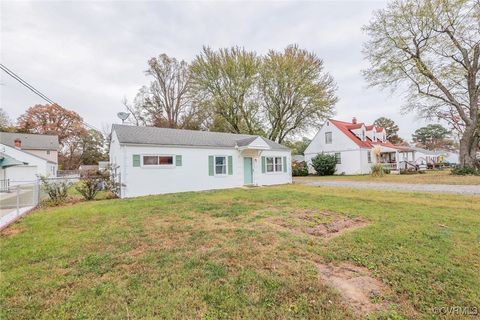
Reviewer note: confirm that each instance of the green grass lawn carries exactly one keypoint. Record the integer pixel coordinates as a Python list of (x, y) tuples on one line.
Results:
[(430, 177), (218, 254)]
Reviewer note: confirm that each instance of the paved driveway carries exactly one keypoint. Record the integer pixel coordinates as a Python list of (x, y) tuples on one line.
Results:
[(406, 187)]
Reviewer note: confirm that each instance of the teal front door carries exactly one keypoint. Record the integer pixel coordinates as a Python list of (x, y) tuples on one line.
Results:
[(247, 171)]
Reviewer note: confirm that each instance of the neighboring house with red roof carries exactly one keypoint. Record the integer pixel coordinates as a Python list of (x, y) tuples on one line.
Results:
[(352, 143)]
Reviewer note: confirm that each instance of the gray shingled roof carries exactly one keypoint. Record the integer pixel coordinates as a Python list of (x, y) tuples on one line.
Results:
[(30, 141), (429, 152), (178, 137)]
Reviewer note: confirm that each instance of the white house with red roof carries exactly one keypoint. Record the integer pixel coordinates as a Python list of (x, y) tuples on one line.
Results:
[(353, 144)]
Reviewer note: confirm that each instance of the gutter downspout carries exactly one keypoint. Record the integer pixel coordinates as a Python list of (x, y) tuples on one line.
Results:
[(123, 172)]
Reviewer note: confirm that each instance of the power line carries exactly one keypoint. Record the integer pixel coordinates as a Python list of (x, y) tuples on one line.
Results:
[(26, 84), (34, 90)]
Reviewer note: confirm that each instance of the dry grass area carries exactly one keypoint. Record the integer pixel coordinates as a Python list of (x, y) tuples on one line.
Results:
[(265, 253), (323, 224), (430, 177)]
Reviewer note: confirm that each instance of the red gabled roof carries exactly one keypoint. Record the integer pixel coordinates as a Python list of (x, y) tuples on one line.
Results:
[(345, 128), (353, 126)]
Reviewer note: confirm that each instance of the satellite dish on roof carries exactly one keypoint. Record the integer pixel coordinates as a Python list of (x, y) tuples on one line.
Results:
[(123, 116)]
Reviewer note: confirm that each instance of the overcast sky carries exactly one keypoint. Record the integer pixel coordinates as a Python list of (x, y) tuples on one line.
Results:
[(87, 56)]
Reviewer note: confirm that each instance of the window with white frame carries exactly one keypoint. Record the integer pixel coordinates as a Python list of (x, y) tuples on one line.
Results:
[(328, 137), (278, 164), (270, 164), (274, 164), (220, 165), (157, 160), (338, 157), (369, 156)]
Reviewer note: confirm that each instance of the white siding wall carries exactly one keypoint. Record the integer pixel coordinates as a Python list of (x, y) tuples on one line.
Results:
[(365, 166), (273, 177), (20, 174), (452, 157), (52, 155), (380, 135), (192, 175), (354, 159)]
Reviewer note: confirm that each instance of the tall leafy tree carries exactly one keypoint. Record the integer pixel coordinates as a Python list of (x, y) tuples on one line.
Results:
[(432, 137), (299, 146), (52, 119), (56, 120), (224, 82), (296, 92), (92, 148), (390, 127), (432, 48), (88, 149)]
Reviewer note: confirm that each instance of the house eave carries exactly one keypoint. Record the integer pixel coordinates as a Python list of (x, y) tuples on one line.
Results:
[(192, 146), (255, 148)]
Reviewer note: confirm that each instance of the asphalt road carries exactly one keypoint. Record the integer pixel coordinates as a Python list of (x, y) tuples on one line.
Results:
[(404, 187)]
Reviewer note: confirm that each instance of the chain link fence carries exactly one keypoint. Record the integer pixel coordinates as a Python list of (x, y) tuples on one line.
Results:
[(17, 200), (19, 197)]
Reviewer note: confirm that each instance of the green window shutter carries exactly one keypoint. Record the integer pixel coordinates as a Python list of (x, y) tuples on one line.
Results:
[(210, 165), (178, 160), (285, 168), (263, 165), (230, 165), (136, 160)]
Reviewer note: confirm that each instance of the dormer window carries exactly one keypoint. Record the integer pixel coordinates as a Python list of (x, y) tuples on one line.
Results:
[(363, 135)]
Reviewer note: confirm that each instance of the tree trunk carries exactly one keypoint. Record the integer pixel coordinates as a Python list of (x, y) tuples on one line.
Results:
[(469, 147)]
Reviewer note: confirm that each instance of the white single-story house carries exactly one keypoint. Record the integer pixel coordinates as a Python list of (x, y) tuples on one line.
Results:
[(353, 145), (26, 157), (450, 157), (151, 160), (435, 157)]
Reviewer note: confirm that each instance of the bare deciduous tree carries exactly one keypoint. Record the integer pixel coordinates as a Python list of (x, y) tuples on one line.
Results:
[(166, 101), (432, 47)]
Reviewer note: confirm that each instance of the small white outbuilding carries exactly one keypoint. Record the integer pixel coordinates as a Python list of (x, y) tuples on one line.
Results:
[(151, 160)]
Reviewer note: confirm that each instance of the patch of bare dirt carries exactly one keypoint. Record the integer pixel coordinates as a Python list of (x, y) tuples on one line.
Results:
[(11, 231), (322, 224), (336, 228), (358, 289), (308, 214)]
